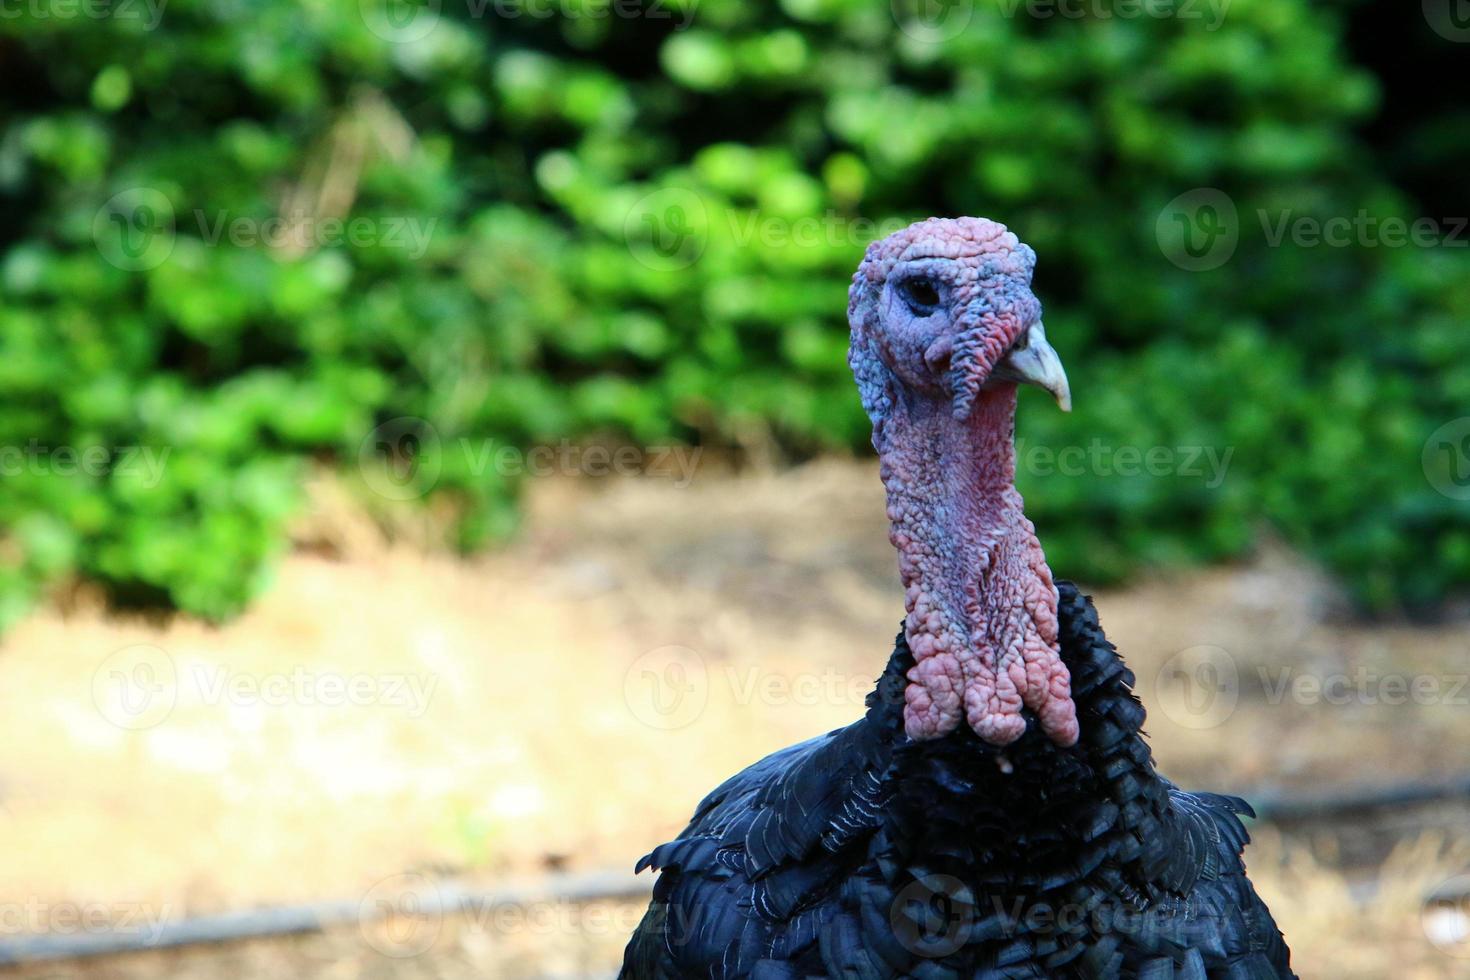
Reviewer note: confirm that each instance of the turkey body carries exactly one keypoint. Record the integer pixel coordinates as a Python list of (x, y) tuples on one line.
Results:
[(864, 854)]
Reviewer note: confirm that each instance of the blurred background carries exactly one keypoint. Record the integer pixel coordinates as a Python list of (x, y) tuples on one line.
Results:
[(429, 463)]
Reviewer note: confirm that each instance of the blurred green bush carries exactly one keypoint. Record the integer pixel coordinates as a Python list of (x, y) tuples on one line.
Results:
[(589, 218)]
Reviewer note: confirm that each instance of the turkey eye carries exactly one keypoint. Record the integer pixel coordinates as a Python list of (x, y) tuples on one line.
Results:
[(922, 295)]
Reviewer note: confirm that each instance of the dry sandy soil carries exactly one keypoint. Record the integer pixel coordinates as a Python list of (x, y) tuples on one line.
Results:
[(562, 704)]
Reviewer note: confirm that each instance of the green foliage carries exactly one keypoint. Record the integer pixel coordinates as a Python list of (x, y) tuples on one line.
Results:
[(592, 224)]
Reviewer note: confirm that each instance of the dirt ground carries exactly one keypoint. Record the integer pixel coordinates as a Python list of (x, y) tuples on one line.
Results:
[(562, 704)]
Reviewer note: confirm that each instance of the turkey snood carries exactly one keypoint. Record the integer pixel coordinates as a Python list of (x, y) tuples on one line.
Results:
[(944, 326)]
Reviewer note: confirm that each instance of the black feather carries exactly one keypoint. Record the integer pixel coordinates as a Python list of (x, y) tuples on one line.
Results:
[(862, 854)]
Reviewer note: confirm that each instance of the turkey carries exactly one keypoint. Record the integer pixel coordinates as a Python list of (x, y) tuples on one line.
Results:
[(996, 811)]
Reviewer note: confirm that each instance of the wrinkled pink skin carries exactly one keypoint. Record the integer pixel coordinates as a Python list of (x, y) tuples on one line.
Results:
[(982, 607)]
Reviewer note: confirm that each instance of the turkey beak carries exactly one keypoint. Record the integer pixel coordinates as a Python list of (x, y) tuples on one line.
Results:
[(1033, 361)]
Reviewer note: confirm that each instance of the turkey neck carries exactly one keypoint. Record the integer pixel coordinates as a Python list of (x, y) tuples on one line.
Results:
[(980, 601)]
